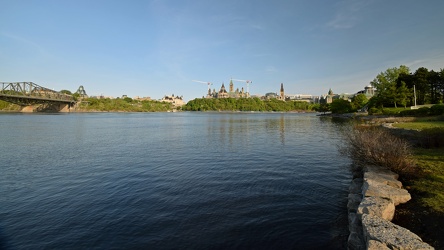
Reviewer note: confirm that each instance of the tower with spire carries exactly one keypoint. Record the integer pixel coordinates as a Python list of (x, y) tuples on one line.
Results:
[(282, 92), (222, 92)]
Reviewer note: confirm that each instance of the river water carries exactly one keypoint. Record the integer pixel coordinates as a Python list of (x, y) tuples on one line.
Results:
[(172, 181)]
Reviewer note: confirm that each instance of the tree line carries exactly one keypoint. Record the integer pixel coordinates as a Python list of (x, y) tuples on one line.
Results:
[(398, 86), (395, 87), (126, 104), (245, 104)]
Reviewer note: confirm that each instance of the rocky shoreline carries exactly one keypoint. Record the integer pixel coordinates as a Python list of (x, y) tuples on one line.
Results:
[(374, 193)]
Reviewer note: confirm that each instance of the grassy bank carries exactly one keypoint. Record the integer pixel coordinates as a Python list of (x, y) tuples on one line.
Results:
[(420, 166), (431, 183), (424, 214), (421, 123), (6, 106)]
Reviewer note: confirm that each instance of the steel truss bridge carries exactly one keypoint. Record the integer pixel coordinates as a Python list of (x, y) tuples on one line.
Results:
[(29, 93)]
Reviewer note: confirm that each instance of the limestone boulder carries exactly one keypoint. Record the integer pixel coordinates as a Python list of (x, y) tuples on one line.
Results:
[(378, 189), (386, 179), (353, 202), (376, 245), (356, 242), (377, 206), (356, 186), (354, 223), (391, 235), (381, 171)]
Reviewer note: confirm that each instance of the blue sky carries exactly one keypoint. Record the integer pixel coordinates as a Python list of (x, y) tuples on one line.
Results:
[(154, 48)]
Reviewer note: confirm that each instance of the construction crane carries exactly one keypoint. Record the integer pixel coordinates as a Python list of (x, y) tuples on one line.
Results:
[(208, 83), (245, 81)]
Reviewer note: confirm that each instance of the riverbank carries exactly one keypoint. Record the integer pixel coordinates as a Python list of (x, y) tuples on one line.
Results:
[(423, 215), (374, 193)]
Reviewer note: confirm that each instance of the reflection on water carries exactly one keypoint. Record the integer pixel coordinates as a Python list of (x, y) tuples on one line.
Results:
[(167, 181), (244, 126)]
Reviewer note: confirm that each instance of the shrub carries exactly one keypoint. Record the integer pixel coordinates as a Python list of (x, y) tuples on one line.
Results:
[(374, 111), (437, 109), (376, 146), (409, 112), (390, 112), (423, 111), (416, 112), (341, 106), (431, 138)]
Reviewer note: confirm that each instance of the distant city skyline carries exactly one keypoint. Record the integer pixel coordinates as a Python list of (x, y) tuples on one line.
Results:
[(157, 48)]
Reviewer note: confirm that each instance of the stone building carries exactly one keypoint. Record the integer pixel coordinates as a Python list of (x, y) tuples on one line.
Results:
[(369, 91), (223, 93), (280, 96), (175, 100)]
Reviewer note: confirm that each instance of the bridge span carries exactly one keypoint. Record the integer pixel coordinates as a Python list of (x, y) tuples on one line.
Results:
[(29, 94)]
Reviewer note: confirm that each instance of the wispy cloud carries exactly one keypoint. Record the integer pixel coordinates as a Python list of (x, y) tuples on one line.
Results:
[(26, 42), (347, 15), (414, 63), (431, 63)]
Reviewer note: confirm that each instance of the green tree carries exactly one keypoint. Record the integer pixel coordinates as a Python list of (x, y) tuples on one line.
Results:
[(433, 80), (359, 101), (341, 106), (421, 84), (67, 92), (128, 99), (76, 96), (386, 84), (402, 94), (323, 107), (244, 104), (440, 87)]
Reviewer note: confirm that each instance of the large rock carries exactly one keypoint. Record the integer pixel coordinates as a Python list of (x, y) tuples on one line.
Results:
[(378, 189), (381, 171), (377, 206), (383, 178), (354, 223), (369, 223), (356, 242), (391, 235), (376, 245), (353, 202), (356, 186)]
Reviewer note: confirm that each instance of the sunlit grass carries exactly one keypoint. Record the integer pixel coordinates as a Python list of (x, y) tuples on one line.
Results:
[(420, 125), (396, 110), (431, 183)]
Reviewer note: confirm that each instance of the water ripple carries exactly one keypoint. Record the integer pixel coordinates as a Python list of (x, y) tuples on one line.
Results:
[(168, 181)]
